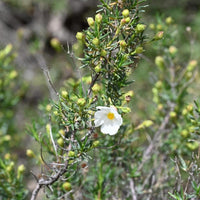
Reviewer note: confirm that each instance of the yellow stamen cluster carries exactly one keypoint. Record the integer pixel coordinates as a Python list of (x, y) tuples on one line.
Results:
[(110, 116)]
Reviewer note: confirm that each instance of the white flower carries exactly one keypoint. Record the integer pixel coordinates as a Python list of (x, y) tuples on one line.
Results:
[(108, 118)]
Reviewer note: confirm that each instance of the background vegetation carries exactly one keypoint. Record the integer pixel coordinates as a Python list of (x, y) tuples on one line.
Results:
[(35, 39)]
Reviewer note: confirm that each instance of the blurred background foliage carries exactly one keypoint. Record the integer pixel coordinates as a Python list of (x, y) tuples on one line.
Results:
[(40, 32)]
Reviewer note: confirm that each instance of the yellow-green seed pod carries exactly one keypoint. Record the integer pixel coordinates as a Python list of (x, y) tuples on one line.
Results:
[(125, 13)]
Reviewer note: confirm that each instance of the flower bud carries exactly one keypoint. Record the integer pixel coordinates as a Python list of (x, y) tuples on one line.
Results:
[(192, 145), (55, 43), (48, 127), (140, 28), (96, 143), (122, 43), (60, 141), (7, 138), (98, 18), (95, 41), (159, 35), (48, 107), (130, 93), (96, 88), (159, 84), (192, 64), (20, 170), (189, 108), (125, 13), (55, 113), (97, 68), (184, 133), (147, 123), (30, 153), (159, 61), (67, 186), (13, 74), (169, 20), (139, 50), (71, 154), (127, 19), (7, 156), (123, 21), (172, 114), (160, 107), (64, 94), (103, 52), (10, 167), (90, 21), (172, 50), (61, 132), (184, 112), (81, 102), (125, 109), (159, 27), (188, 75), (79, 36), (152, 26), (8, 49)]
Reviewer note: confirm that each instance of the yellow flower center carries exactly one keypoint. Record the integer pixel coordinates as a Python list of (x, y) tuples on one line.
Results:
[(110, 116)]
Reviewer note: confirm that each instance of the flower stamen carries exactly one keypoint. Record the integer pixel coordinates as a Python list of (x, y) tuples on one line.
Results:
[(110, 116)]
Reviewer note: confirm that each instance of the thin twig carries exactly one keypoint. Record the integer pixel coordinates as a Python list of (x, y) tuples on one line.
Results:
[(133, 192)]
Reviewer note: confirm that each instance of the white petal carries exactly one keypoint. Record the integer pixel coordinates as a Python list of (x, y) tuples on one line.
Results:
[(98, 122), (109, 129)]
